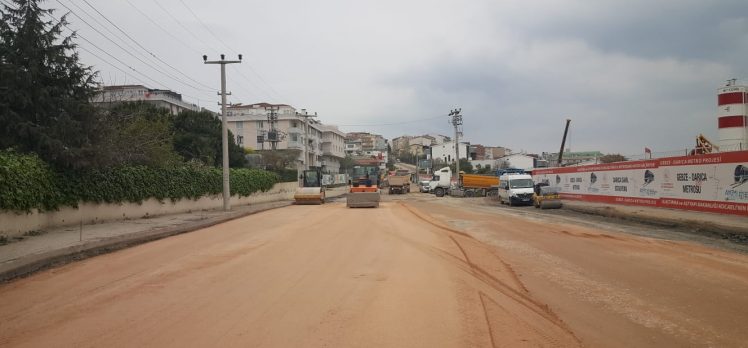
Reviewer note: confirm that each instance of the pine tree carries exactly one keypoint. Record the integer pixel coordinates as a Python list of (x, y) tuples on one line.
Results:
[(197, 136), (44, 90)]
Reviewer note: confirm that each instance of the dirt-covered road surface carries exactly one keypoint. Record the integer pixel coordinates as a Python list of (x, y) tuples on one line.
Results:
[(416, 272)]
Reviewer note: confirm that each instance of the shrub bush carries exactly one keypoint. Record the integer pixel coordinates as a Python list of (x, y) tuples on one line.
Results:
[(26, 182), (286, 175)]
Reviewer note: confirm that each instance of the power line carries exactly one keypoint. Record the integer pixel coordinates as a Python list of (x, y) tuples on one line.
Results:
[(186, 29), (390, 124), (207, 28), (168, 13), (75, 34), (261, 91), (144, 14), (125, 72), (127, 51), (178, 39), (230, 49), (145, 49)]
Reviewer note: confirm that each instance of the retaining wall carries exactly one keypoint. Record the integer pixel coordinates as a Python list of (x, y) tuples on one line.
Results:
[(713, 183), (14, 223)]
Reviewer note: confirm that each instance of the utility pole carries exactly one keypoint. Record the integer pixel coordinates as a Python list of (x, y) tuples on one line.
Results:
[(457, 122), (224, 127), (273, 135), (305, 142)]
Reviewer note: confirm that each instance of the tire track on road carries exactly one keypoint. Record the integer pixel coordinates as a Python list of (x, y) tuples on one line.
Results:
[(520, 297)]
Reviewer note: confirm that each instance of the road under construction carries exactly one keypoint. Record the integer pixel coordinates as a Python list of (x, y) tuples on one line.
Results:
[(416, 272)]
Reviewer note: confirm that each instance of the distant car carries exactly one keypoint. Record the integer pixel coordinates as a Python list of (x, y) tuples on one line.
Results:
[(424, 186)]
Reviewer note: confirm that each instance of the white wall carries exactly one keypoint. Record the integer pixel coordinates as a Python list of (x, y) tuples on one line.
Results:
[(17, 223), (518, 161), (484, 163), (446, 151)]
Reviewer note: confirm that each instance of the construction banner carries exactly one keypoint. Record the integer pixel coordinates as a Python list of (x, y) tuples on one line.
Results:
[(713, 183)]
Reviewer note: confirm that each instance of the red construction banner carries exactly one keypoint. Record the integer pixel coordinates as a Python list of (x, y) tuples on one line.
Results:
[(713, 182)]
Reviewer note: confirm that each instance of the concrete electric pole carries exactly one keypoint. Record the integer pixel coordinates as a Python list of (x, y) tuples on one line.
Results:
[(273, 135), (224, 127), (457, 122), (305, 140)]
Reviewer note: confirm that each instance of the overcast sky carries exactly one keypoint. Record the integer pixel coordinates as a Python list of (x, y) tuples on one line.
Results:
[(629, 74)]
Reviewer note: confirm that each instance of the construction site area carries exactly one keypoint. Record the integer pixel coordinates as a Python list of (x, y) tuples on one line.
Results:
[(418, 271), (593, 193)]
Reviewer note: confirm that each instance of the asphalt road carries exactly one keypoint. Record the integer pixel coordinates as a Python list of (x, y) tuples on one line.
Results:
[(415, 272)]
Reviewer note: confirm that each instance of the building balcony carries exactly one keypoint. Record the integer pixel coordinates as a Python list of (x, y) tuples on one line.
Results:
[(295, 145)]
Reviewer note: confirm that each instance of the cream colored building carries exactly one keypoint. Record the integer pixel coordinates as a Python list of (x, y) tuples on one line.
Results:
[(320, 145), (111, 95)]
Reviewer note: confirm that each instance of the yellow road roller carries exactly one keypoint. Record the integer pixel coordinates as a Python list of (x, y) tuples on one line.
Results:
[(364, 191), (311, 190), (546, 197)]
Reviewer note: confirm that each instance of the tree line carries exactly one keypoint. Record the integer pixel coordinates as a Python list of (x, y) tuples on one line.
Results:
[(46, 108)]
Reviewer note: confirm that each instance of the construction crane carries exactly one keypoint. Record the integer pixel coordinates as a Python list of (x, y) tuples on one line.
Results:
[(704, 146), (563, 142)]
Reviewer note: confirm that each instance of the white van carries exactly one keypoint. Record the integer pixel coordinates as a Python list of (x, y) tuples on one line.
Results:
[(515, 189)]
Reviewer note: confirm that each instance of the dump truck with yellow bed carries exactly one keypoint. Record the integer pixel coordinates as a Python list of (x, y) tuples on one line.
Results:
[(475, 185), (399, 183)]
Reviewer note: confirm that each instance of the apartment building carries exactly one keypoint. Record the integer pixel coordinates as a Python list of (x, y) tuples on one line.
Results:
[(369, 141), (111, 95), (319, 145)]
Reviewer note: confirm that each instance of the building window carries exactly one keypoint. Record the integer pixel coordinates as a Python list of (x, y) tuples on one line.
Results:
[(239, 124), (294, 137), (240, 140), (261, 124), (294, 124)]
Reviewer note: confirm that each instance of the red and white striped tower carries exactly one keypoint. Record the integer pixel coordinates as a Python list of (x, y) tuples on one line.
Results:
[(732, 117)]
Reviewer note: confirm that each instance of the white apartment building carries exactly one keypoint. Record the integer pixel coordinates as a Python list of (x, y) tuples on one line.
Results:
[(416, 144), (438, 138), (446, 151), (110, 95), (322, 146), (333, 148), (353, 147)]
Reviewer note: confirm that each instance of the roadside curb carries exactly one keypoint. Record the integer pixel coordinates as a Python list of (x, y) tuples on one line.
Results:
[(733, 233), (30, 264)]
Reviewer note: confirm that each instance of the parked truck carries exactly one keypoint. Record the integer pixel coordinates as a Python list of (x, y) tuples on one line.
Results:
[(468, 185), (441, 181), (399, 183), (476, 185)]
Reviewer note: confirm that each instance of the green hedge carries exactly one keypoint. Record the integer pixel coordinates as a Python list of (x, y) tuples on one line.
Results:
[(286, 175), (26, 182)]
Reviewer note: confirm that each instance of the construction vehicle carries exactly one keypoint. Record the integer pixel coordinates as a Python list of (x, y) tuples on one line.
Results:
[(546, 197), (364, 189), (311, 190), (399, 183), (563, 143), (441, 181), (475, 185), (704, 146), (468, 185)]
